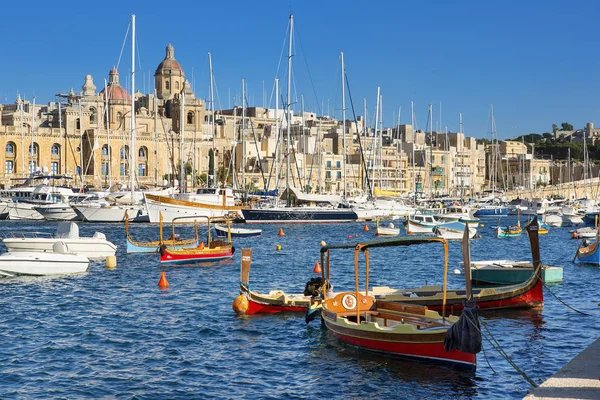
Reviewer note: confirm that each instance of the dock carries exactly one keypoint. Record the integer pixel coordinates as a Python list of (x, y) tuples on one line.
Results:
[(579, 379)]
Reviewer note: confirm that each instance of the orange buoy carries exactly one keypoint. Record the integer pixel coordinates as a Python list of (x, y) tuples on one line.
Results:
[(240, 304), (409, 232), (317, 269), (163, 283), (574, 235), (366, 228), (350, 236), (281, 232)]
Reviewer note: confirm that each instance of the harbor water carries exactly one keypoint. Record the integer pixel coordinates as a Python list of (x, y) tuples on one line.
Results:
[(116, 334)]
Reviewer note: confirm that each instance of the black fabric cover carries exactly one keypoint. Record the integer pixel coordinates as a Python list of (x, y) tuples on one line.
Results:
[(465, 334)]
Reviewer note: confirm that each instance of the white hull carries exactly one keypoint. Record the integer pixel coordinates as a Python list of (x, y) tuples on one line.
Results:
[(108, 213), (453, 234), (384, 231), (415, 228), (555, 221), (23, 211), (57, 212), (170, 211), (37, 264), (88, 247)]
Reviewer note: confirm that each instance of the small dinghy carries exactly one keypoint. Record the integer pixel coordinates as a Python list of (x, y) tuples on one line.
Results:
[(389, 230), (222, 230), (59, 261)]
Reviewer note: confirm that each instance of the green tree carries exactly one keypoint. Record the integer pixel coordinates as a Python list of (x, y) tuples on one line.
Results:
[(565, 126), (554, 128)]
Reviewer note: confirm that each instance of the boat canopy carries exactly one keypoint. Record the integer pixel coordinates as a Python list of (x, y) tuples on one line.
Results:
[(297, 197), (398, 241)]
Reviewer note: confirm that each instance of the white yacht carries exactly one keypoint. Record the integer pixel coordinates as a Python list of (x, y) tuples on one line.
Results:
[(57, 262)]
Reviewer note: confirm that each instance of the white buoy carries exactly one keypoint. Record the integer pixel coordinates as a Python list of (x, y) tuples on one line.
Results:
[(457, 271)]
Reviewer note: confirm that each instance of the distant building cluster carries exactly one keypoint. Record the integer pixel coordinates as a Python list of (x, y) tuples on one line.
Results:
[(87, 135)]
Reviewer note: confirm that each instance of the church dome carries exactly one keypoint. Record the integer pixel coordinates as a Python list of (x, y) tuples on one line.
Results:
[(169, 63), (115, 90)]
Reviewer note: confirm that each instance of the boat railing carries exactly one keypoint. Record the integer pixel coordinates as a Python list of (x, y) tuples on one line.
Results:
[(21, 235)]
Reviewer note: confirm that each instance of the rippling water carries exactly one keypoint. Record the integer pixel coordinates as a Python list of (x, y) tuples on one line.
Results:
[(115, 334)]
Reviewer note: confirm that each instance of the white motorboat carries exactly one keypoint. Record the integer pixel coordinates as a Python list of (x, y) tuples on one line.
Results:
[(67, 232), (389, 230), (453, 231), (555, 220), (107, 212), (585, 233), (421, 223), (57, 212), (59, 261)]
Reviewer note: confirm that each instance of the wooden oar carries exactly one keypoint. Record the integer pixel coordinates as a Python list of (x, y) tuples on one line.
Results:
[(577, 251)]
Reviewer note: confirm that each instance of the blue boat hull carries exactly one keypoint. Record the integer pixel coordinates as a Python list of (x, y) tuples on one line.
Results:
[(482, 212), (589, 257)]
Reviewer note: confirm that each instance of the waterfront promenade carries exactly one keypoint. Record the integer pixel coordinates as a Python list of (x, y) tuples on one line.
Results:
[(579, 379)]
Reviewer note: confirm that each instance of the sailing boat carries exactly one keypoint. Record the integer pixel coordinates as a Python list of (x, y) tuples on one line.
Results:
[(296, 214), (114, 210)]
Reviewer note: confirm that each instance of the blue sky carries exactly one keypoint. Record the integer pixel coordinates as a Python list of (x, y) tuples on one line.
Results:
[(537, 62)]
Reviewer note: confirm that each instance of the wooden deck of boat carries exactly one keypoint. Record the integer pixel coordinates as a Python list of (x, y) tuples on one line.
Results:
[(579, 379)]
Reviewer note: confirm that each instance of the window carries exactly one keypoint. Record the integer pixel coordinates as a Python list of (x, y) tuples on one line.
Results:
[(176, 85), (338, 164), (105, 150), (10, 148), (119, 116), (142, 169), (92, 115), (142, 153), (54, 150), (32, 167), (167, 85), (124, 152), (190, 118), (32, 149), (339, 174), (78, 170), (104, 169), (329, 164), (54, 166), (123, 169), (10, 166), (77, 124), (328, 174)]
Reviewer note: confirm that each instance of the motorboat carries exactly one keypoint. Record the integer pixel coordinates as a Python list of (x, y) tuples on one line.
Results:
[(223, 231), (389, 230), (56, 262), (510, 272), (453, 231), (67, 232)]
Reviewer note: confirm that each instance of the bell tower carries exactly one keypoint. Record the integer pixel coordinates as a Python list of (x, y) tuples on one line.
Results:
[(169, 76)]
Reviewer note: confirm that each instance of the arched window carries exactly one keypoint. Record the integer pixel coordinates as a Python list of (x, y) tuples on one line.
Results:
[(93, 115), (142, 153), (33, 149), (167, 86), (119, 116), (190, 118), (124, 152), (10, 148), (55, 150), (177, 85), (105, 150), (77, 124)]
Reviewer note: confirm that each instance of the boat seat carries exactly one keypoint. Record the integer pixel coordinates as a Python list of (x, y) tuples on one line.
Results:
[(67, 230), (217, 243)]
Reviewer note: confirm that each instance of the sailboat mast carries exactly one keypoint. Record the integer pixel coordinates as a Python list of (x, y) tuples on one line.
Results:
[(132, 151), (243, 136), (288, 111), (399, 168), (343, 131), (304, 152), (363, 183), (23, 141), (430, 150), (32, 149), (380, 148), (461, 160), (412, 148), (374, 141), (155, 139), (276, 137), (212, 118), (60, 138)]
